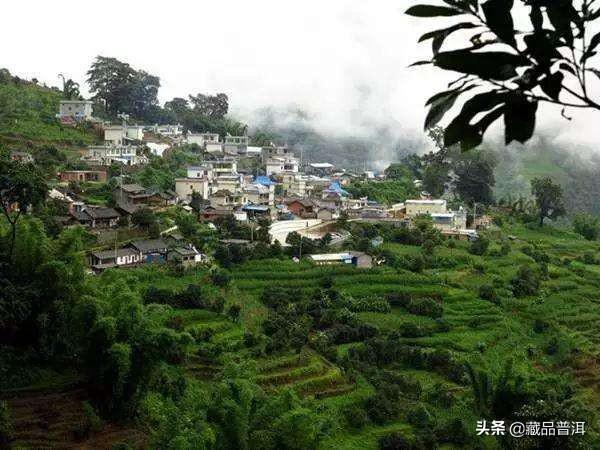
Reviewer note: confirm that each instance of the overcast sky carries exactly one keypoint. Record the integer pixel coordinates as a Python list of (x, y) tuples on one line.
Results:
[(345, 61)]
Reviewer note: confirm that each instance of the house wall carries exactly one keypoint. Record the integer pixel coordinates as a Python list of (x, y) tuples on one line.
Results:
[(185, 186), (81, 109), (114, 135), (415, 209)]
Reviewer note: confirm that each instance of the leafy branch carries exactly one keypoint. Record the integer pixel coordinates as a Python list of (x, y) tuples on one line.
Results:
[(507, 72)]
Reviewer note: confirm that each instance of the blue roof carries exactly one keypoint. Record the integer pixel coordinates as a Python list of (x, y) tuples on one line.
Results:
[(264, 180), (336, 187), (261, 208)]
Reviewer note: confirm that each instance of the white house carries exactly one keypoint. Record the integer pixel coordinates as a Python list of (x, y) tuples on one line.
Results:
[(107, 154), (205, 171), (417, 207), (114, 134), (213, 147), (225, 167), (135, 132), (277, 165), (75, 109), (184, 187)]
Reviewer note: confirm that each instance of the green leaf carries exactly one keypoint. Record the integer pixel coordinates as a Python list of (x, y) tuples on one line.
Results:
[(519, 119), (589, 52), (561, 13), (420, 63), (595, 72), (460, 128), (440, 35), (552, 85), (566, 67), (536, 17), (432, 11), (542, 47), (486, 65), (441, 104), (499, 19)]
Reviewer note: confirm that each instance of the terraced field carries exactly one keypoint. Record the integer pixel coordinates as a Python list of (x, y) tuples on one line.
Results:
[(470, 329)]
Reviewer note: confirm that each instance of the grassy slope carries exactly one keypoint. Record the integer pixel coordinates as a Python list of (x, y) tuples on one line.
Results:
[(28, 120)]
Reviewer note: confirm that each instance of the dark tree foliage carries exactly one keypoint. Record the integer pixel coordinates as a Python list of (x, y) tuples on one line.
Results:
[(506, 72), (548, 198), (587, 225), (475, 178), (121, 89), (21, 186)]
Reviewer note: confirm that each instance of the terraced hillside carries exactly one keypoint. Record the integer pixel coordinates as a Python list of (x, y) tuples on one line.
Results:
[(419, 331)]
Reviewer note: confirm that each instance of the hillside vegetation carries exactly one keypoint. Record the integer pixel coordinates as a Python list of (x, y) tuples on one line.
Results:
[(28, 117)]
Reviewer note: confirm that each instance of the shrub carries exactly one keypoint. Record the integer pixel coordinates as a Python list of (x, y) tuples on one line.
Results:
[(395, 441), (234, 312), (220, 278), (356, 416), (488, 292), (479, 246), (588, 226), (589, 258), (412, 330), (419, 417), (526, 282), (539, 325), (505, 248), (425, 307)]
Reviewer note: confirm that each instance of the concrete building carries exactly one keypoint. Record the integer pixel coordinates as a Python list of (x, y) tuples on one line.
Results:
[(201, 139), (358, 259), (259, 194), (105, 155), (204, 171), (417, 207), (77, 110), (275, 151), (83, 175), (184, 187), (115, 134), (135, 132), (226, 166), (279, 164), (213, 148)]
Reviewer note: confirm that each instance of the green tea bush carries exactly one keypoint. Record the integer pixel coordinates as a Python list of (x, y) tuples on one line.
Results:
[(425, 307), (526, 282)]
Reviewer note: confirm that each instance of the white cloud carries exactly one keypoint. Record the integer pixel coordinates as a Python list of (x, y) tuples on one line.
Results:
[(345, 61)]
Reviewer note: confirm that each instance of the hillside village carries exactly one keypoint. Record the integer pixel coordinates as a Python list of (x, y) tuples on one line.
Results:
[(192, 282), (231, 179)]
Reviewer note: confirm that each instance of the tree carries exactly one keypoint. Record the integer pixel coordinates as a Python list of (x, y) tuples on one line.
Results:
[(122, 89), (398, 171), (211, 106), (110, 80), (587, 225), (475, 178), (548, 198), (144, 217), (70, 88), (509, 71), (21, 186)]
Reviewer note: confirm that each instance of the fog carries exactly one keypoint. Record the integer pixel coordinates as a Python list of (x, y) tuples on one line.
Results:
[(342, 62)]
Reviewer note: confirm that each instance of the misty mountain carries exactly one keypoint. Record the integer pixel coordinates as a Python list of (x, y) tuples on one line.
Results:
[(373, 146)]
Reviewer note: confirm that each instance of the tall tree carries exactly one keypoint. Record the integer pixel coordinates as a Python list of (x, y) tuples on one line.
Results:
[(21, 187), (110, 81), (211, 106), (474, 178), (509, 70), (70, 88), (548, 198)]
